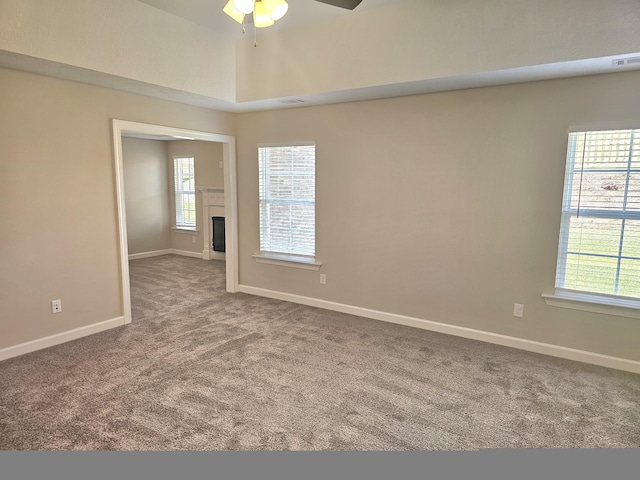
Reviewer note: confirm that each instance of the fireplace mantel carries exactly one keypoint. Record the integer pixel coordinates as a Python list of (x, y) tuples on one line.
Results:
[(212, 206)]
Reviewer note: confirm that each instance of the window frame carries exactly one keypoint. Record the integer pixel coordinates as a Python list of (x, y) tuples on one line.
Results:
[(612, 304), (287, 259), (178, 193)]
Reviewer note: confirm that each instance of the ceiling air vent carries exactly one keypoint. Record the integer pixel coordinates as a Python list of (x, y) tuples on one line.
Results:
[(626, 61)]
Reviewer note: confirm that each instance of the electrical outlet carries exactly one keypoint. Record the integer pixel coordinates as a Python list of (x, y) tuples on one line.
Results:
[(323, 279), (220, 164), (193, 239), (518, 310), (56, 306)]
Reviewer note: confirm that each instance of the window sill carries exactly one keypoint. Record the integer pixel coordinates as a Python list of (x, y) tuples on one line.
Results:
[(188, 231), (292, 261), (620, 307)]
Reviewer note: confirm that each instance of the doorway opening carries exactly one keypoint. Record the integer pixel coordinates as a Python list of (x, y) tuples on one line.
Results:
[(126, 128)]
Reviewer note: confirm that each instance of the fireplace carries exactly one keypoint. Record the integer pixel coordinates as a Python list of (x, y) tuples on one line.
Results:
[(213, 207), (218, 234)]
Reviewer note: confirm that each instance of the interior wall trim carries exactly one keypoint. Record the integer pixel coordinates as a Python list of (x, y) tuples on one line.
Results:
[(470, 333), (186, 253), (58, 338), (124, 127), (168, 251), (154, 253)]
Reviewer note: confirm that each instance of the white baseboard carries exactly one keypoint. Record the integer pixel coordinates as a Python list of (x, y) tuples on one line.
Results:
[(59, 338), (186, 253), (168, 251), (489, 337), (155, 253), (217, 256)]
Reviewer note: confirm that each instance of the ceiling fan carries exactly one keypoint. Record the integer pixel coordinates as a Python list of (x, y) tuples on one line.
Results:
[(264, 13), (348, 4)]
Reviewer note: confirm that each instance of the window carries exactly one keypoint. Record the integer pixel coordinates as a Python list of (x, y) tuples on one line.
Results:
[(287, 201), (599, 248), (185, 192)]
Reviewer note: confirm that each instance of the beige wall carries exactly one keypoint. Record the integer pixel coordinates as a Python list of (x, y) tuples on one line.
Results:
[(58, 210), (146, 183), (444, 207), (207, 157), (467, 186), (150, 201)]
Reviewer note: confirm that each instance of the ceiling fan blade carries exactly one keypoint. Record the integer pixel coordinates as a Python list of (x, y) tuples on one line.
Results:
[(348, 4)]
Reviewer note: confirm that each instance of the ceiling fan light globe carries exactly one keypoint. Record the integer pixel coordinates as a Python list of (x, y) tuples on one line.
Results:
[(244, 6), (233, 12), (276, 8), (279, 9), (261, 17)]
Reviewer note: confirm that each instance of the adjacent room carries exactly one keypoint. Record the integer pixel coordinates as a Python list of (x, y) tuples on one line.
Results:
[(378, 225)]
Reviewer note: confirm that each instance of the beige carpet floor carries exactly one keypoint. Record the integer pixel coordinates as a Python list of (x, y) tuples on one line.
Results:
[(201, 369)]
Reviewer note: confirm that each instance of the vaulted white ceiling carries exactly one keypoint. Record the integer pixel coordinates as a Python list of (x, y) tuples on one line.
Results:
[(191, 52)]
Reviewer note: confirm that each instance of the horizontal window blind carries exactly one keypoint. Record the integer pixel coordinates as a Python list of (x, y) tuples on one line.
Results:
[(599, 248), (185, 192), (287, 194)]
